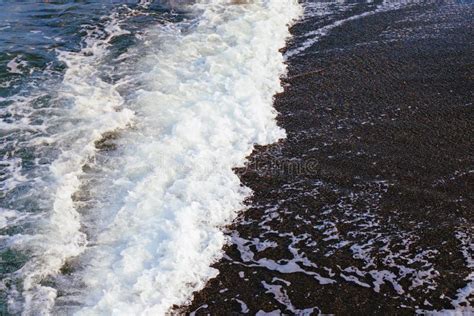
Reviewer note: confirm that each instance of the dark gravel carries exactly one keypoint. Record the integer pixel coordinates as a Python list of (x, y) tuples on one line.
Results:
[(379, 117)]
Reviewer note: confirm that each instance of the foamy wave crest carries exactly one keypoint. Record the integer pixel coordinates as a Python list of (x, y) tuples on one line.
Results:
[(207, 88), (135, 230)]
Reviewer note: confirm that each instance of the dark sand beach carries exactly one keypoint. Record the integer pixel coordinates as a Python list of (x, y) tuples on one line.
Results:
[(367, 206)]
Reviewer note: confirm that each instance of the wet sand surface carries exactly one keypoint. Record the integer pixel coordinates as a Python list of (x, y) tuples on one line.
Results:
[(367, 206)]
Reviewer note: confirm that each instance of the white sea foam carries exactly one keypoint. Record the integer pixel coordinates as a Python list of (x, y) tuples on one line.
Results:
[(206, 99), (464, 295), (16, 65), (90, 107), (153, 229)]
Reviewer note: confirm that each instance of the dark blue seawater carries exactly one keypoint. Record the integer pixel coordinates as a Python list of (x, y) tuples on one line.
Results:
[(32, 31)]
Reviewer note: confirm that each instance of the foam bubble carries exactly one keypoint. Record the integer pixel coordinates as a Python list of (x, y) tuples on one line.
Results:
[(16, 65)]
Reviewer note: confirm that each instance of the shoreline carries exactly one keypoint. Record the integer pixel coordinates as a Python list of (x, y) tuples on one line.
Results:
[(364, 205)]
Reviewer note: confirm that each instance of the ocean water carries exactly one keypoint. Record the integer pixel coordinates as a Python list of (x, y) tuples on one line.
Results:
[(121, 123)]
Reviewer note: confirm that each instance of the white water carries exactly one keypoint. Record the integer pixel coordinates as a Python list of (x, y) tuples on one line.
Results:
[(153, 228), (93, 107)]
